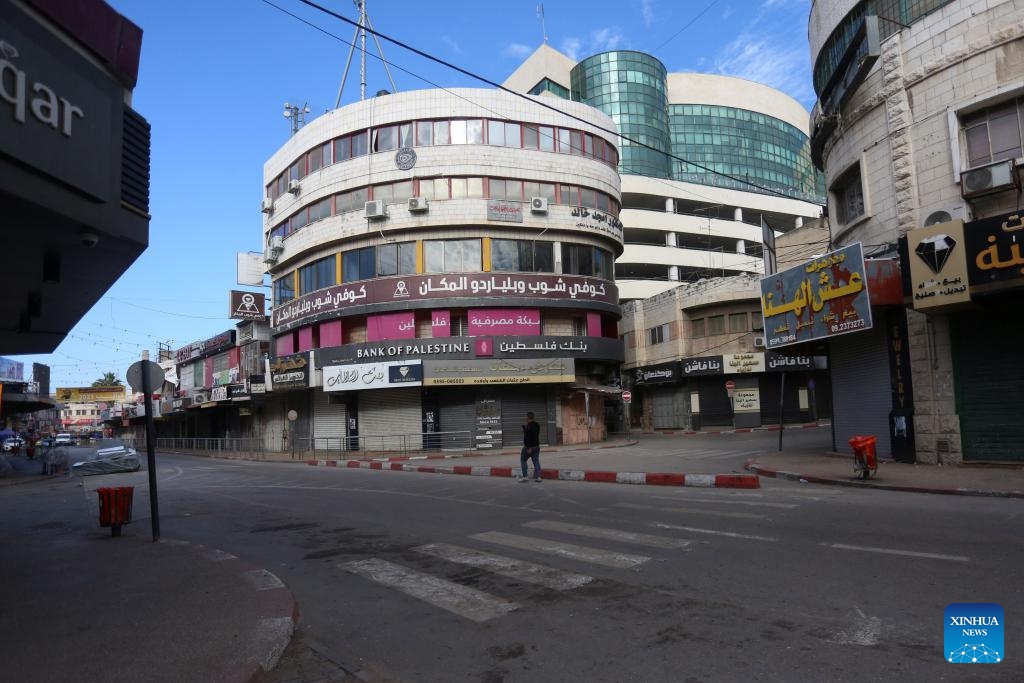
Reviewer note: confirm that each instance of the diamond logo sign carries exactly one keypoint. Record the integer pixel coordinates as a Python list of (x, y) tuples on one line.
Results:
[(935, 251)]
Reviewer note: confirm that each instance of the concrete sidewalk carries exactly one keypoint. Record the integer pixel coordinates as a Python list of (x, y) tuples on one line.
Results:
[(80, 605)]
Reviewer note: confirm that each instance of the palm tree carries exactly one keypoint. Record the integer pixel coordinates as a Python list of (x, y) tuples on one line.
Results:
[(108, 379)]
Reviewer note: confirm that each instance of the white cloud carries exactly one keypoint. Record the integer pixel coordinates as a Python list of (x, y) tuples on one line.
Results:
[(518, 50), (450, 42), (605, 39), (781, 64), (600, 40), (647, 12), (571, 47)]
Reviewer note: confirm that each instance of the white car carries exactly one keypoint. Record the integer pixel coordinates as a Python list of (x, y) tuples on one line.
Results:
[(64, 439)]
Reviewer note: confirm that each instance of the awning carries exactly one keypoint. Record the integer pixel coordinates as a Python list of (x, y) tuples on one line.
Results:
[(597, 389)]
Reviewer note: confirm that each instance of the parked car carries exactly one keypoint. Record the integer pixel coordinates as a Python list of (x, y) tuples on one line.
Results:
[(48, 441), (14, 443), (64, 439), (109, 457)]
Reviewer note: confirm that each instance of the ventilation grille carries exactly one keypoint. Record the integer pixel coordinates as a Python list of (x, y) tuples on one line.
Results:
[(135, 149)]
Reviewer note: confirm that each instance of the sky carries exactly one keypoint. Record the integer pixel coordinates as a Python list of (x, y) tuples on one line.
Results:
[(215, 75)]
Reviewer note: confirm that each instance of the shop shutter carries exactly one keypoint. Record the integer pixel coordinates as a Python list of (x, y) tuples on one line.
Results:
[(715, 406), (515, 403), (989, 377), (769, 385), (458, 418), (391, 420), (861, 388), (329, 422), (274, 423), (669, 407)]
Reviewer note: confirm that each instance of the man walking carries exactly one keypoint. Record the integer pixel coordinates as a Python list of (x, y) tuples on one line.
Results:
[(531, 448)]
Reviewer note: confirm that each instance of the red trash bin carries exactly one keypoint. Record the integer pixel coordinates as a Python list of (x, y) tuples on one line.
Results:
[(865, 461), (115, 507)]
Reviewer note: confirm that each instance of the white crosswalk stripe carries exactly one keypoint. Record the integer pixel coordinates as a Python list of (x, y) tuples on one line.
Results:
[(690, 510), (715, 454), (540, 575), (461, 600), (606, 558), (611, 534)]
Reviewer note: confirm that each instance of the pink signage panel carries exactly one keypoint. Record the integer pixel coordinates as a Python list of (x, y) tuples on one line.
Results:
[(504, 321), (593, 324), (391, 326), (284, 345), (440, 323), (305, 338), (330, 334)]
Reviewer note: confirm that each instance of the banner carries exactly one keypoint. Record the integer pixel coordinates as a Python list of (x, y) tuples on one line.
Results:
[(90, 394)]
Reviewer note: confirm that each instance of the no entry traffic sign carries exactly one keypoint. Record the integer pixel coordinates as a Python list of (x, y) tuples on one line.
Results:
[(627, 396)]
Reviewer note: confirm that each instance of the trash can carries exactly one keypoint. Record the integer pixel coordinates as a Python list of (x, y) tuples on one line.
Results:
[(865, 460), (115, 507)]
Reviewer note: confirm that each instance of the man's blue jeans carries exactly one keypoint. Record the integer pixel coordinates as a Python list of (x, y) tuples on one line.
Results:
[(530, 453)]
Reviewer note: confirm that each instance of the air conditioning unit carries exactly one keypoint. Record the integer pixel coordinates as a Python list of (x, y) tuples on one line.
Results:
[(376, 209), (270, 256), (200, 397), (758, 342), (294, 187), (267, 205), (988, 179), (274, 248), (539, 204), (276, 243), (418, 204)]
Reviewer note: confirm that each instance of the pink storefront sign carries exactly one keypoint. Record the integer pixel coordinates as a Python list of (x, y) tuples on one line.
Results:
[(504, 321), (391, 326), (440, 323)]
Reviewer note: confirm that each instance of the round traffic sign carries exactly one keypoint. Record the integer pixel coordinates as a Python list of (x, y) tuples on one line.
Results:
[(627, 396), (154, 375), (730, 385)]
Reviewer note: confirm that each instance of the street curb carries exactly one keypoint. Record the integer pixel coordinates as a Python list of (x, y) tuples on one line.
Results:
[(740, 430), (869, 484), (343, 462), (278, 616), (741, 481)]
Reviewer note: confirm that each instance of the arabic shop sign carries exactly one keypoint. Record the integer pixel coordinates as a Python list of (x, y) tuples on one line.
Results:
[(289, 372), (247, 305), (705, 365), (776, 362), (373, 375), (205, 348), (995, 254), (510, 321), (825, 297), (596, 220), (504, 211), (739, 363), (411, 288), (937, 256), (462, 348), (746, 400), (662, 373), (498, 371)]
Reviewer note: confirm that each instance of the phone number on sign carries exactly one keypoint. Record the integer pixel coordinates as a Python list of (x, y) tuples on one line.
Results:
[(847, 326)]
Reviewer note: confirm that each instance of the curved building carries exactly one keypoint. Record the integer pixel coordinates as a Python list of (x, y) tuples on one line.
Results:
[(737, 152), (918, 128), (442, 262)]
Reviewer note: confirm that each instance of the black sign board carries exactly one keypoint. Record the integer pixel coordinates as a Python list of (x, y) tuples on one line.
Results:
[(704, 365), (995, 254), (662, 373)]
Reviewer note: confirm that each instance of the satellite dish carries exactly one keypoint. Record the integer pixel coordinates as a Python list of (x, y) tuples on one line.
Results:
[(937, 217)]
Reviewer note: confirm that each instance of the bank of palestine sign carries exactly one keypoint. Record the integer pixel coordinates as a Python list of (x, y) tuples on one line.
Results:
[(825, 297)]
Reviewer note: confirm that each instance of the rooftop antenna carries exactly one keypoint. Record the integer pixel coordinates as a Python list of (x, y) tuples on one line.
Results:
[(296, 114), (360, 35), (543, 29)]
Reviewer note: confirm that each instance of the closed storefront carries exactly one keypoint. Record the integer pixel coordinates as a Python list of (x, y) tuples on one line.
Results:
[(669, 407), (275, 423), (989, 376), (457, 409), (329, 421), (390, 419), (515, 403), (861, 388), (715, 405), (771, 391)]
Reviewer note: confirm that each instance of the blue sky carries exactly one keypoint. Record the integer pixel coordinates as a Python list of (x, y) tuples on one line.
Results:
[(215, 75)]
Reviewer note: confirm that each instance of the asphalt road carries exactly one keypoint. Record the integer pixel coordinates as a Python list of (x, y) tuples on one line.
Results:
[(602, 582)]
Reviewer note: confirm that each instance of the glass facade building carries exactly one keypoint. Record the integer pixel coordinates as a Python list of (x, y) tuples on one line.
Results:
[(631, 87)]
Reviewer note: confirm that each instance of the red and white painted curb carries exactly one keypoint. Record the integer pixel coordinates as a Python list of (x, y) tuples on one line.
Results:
[(736, 481)]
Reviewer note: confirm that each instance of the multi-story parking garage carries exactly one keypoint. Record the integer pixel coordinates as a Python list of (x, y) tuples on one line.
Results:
[(442, 262)]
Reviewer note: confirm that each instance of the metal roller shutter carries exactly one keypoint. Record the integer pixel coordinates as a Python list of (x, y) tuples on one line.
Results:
[(770, 384), (669, 407), (515, 403), (458, 418), (274, 423), (715, 406), (329, 422), (862, 396), (391, 420), (989, 376)]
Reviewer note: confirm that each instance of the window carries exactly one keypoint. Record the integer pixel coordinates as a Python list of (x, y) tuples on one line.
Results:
[(994, 134), (396, 259), (452, 256), (458, 325), (578, 326), (385, 138), (522, 255), (697, 328), (580, 259), (737, 322), (756, 321), (849, 196), (358, 264), (496, 133), (716, 325), (220, 362), (657, 335), (316, 275), (424, 133), (442, 134)]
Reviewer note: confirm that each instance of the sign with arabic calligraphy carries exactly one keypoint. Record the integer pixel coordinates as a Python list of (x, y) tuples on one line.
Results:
[(776, 362), (391, 326), (373, 375), (289, 372), (498, 371), (746, 400), (995, 254), (825, 297), (597, 220), (736, 363), (90, 394), (661, 373), (599, 295), (937, 262), (487, 321), (705, 365), (498, 210), (453, 348)]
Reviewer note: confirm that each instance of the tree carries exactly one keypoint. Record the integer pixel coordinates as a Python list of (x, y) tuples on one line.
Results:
[(108, 379)]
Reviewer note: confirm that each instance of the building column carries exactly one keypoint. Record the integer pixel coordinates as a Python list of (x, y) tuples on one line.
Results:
[(670, 205), (670, 239), (737, 214), (673, 273)]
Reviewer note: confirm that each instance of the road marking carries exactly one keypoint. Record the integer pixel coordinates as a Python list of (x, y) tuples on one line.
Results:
[(752, 503), (611, 534), (568, 550), (549, 577), (262, 580), (695, 511), (730, 534), (458, 599), (893, 551)]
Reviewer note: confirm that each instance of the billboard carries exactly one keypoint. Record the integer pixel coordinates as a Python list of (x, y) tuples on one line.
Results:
[(824, 297), (90, 394), (12, 370)]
